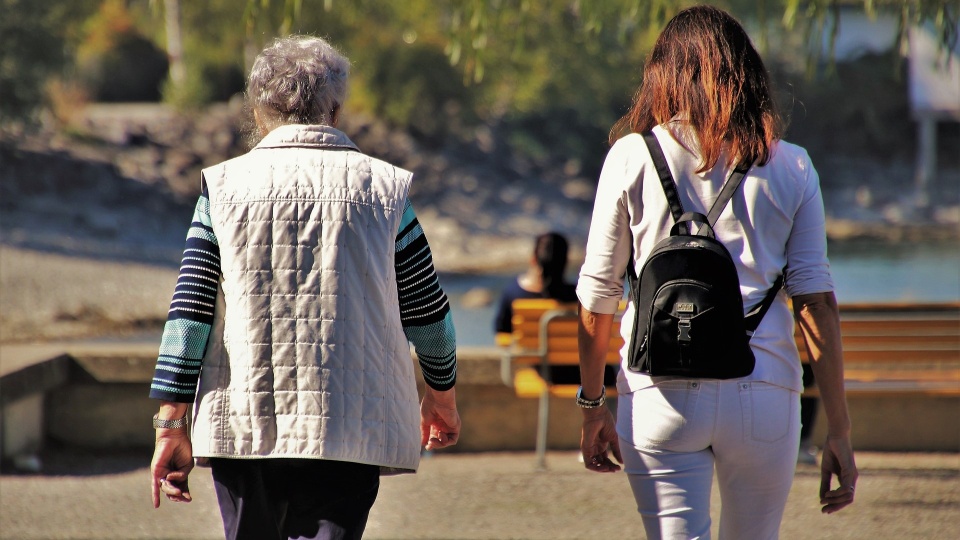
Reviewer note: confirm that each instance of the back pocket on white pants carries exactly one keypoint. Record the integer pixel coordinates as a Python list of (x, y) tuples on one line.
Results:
[(767, 410), (658, 415)]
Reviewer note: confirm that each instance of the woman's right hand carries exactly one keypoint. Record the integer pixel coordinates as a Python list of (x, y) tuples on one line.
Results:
[(171, 465), (599, 436)]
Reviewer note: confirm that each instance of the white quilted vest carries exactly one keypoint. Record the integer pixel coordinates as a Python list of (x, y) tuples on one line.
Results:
[(307, 357)]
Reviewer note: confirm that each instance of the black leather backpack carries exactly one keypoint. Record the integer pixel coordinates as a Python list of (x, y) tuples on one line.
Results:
[(689, 320)]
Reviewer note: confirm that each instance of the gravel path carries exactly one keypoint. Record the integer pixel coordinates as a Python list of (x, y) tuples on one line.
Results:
[(474, 496)]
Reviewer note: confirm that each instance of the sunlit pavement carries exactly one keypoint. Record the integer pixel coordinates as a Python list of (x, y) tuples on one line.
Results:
[(475, 496)]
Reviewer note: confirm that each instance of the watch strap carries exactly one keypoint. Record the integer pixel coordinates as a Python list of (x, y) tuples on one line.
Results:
[(591, 403), (159, 423)]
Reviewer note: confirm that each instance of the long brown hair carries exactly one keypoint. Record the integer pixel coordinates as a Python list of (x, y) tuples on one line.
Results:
[(704, 68)]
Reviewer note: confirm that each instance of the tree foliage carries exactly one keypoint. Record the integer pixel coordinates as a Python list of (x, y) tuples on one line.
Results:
[(34, 35), (115, 61), (550, 76)]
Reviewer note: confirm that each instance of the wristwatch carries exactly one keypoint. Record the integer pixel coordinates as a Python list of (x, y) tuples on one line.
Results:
[(591, 403), (169, 424)]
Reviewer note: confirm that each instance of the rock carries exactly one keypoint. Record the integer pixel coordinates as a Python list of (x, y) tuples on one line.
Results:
[(27, 463), (894, 213), (947, 215), (579, 188), (177, 161), (476, 298)]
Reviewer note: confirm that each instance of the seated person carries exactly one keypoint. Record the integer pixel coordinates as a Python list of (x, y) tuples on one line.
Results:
[(543, 279)]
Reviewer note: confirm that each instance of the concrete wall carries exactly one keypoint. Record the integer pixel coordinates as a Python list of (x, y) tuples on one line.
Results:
[(92, 412), (900, 422), (103, 405)]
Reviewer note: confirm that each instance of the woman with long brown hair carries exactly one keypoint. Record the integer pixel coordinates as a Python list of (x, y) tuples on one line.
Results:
[(543, 279), (706, 99)]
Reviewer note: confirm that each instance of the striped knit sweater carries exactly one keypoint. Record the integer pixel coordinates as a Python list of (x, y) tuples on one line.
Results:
[(424, 309)]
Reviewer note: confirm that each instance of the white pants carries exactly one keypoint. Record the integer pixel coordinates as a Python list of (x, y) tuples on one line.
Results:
[(673, 434)]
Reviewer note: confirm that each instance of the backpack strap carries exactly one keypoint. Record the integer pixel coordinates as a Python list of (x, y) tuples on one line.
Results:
[(729, 188), (663, 171), (670, 185), (669, 190), (752, 320)]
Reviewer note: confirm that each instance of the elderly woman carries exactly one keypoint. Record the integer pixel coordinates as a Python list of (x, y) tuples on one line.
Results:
[(706, 98), (304, 276)]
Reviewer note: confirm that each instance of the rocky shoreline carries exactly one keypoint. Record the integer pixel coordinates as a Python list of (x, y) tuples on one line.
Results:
[(92, 218), (124, 178)]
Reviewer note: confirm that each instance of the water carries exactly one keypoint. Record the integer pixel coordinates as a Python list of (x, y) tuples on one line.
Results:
[(876, 272), (862, 272)]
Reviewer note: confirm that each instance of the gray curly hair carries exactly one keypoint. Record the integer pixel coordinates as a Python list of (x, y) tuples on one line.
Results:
[(298, 80)]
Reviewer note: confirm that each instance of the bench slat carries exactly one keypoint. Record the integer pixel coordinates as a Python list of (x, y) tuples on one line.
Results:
[(529, 384), (932, 341), (881, 356), (561, 358), (864, 327), (563, 343), (934, 388), (900, 308), (947, 375)]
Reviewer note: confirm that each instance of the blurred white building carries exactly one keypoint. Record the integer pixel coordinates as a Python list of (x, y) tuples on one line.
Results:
[(933, 78), (934, 86)]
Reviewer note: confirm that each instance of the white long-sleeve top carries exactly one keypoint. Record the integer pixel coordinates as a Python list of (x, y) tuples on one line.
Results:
[(775, 220)]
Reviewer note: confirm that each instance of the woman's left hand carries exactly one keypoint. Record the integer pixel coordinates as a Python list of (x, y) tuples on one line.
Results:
[(439, 419), (599, 436), (837, 461)]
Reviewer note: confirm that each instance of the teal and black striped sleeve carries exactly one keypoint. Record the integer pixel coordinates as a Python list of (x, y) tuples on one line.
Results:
[(424, 309), (190, 318)]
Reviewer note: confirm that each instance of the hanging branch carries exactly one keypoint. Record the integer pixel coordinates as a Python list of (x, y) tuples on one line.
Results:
[(471, 25)]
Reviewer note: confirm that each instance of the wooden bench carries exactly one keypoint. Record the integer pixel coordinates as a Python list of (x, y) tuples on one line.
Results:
[(544, 337), (888, 347), (898, 347)]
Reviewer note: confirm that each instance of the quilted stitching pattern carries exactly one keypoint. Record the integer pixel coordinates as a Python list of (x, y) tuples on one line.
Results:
[(318, 362)]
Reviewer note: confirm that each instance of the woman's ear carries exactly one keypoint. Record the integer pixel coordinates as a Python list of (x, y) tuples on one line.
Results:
[(260, 125), (335, 116)]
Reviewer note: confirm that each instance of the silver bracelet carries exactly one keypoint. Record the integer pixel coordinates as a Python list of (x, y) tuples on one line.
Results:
[(169, 424), (591, 403)]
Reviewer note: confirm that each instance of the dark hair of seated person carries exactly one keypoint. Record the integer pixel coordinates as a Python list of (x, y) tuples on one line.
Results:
[(545, 279)]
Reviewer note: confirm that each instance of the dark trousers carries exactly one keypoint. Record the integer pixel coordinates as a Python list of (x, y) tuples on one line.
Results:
[(266, 499)]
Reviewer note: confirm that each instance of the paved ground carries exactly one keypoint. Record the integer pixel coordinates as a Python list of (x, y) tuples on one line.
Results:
[(471, 496)]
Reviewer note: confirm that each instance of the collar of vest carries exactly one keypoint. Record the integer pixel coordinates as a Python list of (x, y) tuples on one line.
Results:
[(310, 136)]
